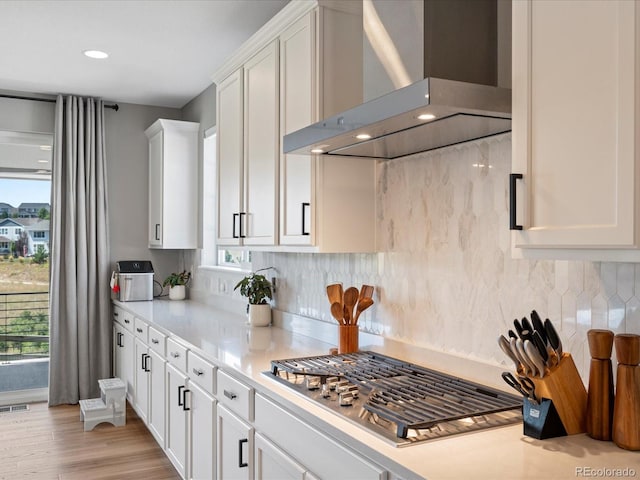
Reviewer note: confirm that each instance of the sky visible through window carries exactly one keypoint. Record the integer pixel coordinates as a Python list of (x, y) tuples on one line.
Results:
[(17, 191)]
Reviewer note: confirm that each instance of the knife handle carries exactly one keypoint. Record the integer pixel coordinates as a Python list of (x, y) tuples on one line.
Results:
[(534, 355), (531, 367), (541, 346), (514, 348), (538, 326)]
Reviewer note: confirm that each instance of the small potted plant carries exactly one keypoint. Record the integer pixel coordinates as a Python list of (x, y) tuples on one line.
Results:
[(177, 283), (258, 291)]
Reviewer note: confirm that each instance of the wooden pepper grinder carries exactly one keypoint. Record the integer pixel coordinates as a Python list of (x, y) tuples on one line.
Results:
[(626, 410), (600, 395)]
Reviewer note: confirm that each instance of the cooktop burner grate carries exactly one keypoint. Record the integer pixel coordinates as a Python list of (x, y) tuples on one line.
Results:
[(409, 396)]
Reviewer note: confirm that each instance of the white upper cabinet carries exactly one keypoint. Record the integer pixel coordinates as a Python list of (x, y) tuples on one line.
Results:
[(261, 146), (575, 142), (309, 62), (230, 158), (173, 192)]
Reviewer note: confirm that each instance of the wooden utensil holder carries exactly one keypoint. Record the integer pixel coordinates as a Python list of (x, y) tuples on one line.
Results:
[(348, 338), (564, 387)]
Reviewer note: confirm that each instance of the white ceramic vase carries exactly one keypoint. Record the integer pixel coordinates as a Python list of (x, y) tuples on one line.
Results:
[(177, 293), (260, 315)]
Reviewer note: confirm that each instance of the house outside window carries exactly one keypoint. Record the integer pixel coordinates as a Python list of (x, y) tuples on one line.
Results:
[(39, 235)]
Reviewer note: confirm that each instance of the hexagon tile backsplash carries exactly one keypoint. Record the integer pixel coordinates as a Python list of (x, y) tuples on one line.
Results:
[(445, 278)]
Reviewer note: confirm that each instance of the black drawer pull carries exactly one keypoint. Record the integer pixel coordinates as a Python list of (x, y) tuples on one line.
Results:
[(139, 330), (175, 354), (513, 222), (184, 400), (198, 372), (127, 321), (241, 463), (230, 395), (180, 397), (154, 341)]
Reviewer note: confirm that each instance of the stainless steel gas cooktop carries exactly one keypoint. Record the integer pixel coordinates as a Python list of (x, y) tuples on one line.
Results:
[(401, 402)]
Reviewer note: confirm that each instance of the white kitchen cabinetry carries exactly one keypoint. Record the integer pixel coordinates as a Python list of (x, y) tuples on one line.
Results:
[(248, 157), (141, 366), (173, 188), (302, 443), (203, 419), (575, 138), (157, 396), (177, 419), (123, 358), (235, 447), (325, 203), (273, 464)]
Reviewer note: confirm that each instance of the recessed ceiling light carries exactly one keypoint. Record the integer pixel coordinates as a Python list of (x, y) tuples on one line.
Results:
[(363, 136), (43, 161), (317, 150), (98, 54), (426, 116)]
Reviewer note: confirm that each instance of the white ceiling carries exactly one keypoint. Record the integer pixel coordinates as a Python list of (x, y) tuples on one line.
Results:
[(162, 52)]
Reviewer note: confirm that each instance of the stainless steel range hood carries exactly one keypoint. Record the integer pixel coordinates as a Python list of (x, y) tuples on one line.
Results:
[(451, 106)]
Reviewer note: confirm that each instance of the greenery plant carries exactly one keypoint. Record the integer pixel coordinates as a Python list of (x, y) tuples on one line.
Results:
[(256, 288), (40, 256), (181, 278)]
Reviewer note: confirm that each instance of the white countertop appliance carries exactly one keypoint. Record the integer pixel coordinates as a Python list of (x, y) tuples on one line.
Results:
[(135, 280)]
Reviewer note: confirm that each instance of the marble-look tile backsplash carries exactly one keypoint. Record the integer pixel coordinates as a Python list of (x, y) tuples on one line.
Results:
[(445, 278)]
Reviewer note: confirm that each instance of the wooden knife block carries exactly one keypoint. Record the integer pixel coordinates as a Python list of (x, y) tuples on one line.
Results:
[(564, 387)]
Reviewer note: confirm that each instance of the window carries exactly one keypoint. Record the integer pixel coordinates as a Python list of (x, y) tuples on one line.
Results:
[(4, 231), (39, 235)]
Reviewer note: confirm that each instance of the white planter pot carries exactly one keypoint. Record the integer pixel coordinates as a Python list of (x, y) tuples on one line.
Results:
[(177, 293), (260, 315)]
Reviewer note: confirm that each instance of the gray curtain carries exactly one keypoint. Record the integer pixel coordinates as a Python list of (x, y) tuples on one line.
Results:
[(80, 323)]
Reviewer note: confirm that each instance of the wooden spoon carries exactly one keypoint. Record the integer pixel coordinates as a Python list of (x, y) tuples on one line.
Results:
[(334, 292), (350, 300), (361, 307), (337, 312), (366, 291)]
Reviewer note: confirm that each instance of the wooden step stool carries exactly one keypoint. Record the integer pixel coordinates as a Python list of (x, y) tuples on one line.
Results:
[(110, 407)]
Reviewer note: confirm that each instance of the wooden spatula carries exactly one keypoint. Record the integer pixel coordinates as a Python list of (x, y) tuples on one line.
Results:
[(334, 292), (366, 291), (361, 307)]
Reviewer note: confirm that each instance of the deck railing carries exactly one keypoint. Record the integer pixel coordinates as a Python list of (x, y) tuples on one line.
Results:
[(24, 326)]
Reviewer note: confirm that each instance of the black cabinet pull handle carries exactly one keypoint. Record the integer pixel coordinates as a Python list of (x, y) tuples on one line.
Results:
[(115, 314), (118, 340), (180, 398), (146, 363), (242, 233), (155, 341), (513, 222), (139, 330), (184, 400), (127, 321), (198, 372), (304, 209), (230, 395), (233, 233), (142, 361), (241, 463), (156, 235)]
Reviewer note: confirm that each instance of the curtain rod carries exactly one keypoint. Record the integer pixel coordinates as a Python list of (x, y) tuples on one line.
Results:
[(115, 106)]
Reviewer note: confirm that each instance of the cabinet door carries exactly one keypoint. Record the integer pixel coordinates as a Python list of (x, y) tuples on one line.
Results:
[(155, 189), (230, 158), (297, 110), (574, 103), (177, 419), (261, 147), (203, 433), (235, 447), (157, 394), (273, 464), (123, 360), (142, 379)]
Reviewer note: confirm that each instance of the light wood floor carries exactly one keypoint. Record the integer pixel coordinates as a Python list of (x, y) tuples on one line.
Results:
[(49, 443)]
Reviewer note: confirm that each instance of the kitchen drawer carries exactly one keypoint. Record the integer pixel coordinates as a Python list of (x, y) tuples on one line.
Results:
[(235, 395), (285, 430), (177, 354), (158, 342), (201, 372), (141, 329), (124, 318)]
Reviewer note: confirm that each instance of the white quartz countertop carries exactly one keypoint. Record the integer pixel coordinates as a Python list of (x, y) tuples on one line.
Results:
[(498, 453)]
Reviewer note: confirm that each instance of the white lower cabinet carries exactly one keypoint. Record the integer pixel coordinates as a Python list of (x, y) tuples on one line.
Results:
[(142, 370), (156, 417), (273, 464), (177, 419), (123, 356), (235, 447), (302, 444), (202, 408)]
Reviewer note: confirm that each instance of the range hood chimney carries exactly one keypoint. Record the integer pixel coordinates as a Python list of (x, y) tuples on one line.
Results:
[(454, 100)]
